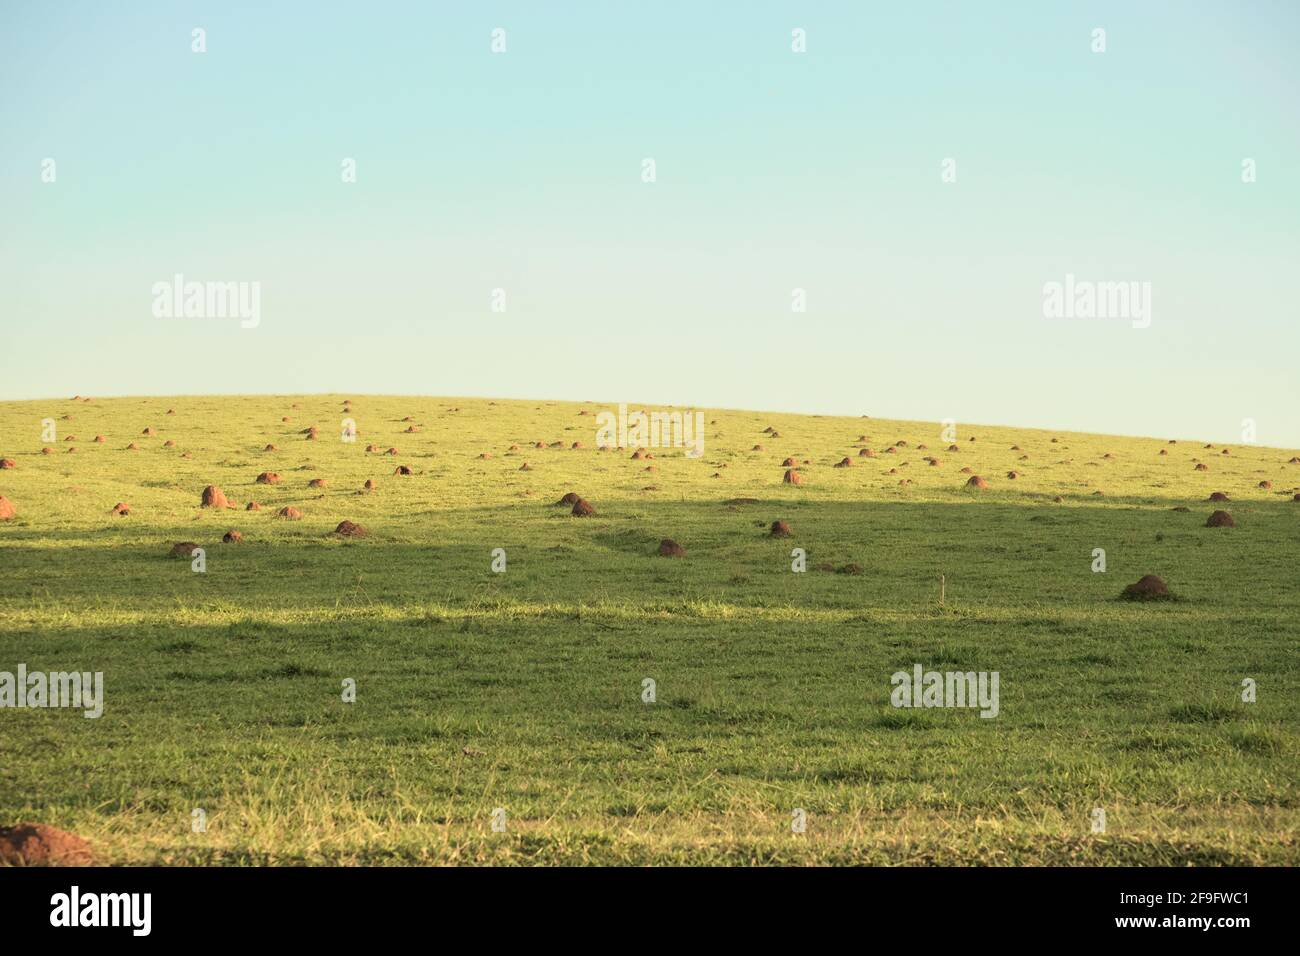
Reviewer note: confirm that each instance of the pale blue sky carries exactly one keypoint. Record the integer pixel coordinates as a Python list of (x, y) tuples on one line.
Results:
[(775, 171)]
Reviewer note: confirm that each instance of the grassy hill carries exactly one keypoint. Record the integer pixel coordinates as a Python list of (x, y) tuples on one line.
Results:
[(523, 690)]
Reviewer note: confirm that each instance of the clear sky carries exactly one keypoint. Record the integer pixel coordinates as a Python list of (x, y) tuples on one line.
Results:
[(775, 170)]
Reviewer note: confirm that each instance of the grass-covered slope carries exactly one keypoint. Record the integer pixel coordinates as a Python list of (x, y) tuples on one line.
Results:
[(523, 690)]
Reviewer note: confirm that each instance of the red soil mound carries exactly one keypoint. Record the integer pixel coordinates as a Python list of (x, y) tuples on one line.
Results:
[(289, 512), (316, 483), (35, 844), (348, 529), (975, 481), (267, 478), (1265, 485), (402, 470), (668, 548), (7, 509), (213, 497), (1218, 496), (569, 500), (1148, 588), (780, 530), (370, 484), (844, 463), (252, 506), (7, 463), (792, 477), (232, 537), (1220, 519), (1202, 467), (581, 509)]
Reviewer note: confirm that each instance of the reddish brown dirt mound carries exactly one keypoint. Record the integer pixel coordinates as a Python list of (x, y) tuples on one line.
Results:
[(525, 467), (290, 512), (1201, 466), (271, 448), (569, 500), (348, 529), (1058, 499), (99, 439), (7, 509), (7, 463), (780, 530), (1266, 485), (213, 497), (232, 537), (391, 451), (581, 509), (402, 470), (577, 445), (1293, 461), (183, 549), (35, 844), (1164, 451), (792, 477), (1148, 588), (412, 429), (50, 451), (370, 484), (975, 481), (668, 548), (789, 463), (758, 448), (1013, 474), (1218, 496), (1296, 498), (71, 438), (316, 483), (485, 455), (935, 463), (890, 450), (286, 418), (268, 478), (121, 508), (372, 448), (169, 444), (844, 463), (171, 411), (1220, 519), (953, 448), (966, 470), (513, 448), (866, 453), (252, 506)]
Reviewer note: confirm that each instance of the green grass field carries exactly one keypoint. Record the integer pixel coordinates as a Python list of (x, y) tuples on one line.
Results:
[(522, 690)]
